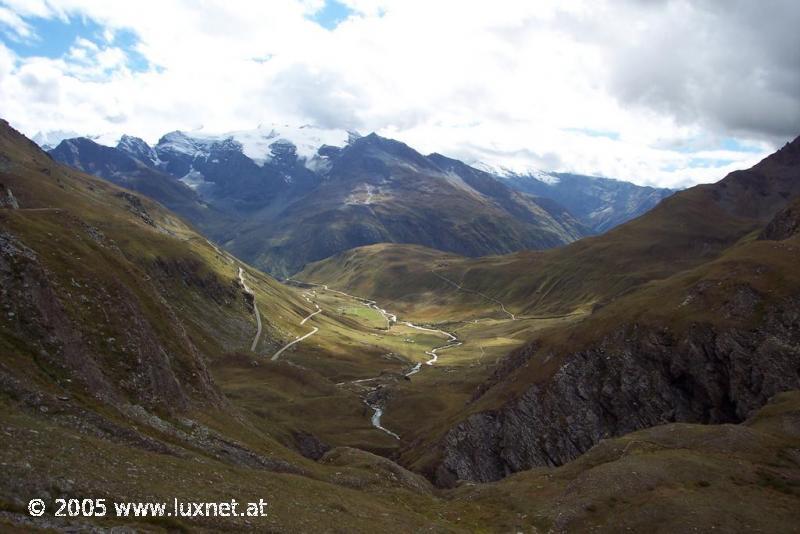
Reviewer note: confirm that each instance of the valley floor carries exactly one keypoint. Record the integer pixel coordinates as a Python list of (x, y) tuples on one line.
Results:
[(418, 375)]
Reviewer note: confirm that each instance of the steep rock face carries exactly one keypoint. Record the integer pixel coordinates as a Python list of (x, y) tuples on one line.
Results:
[(223, 173), (129, 166), (636, 378), (784, 225), (88, 156), (530, 208), (120, 167)]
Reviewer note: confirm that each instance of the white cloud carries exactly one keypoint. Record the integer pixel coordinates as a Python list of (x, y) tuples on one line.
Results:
[(521, 84), (15, 27)]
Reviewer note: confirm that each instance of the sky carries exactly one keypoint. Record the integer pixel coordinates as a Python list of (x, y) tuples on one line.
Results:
[(657, 92)]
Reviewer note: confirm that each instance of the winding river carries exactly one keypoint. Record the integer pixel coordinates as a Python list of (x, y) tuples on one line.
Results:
[(391, 318)]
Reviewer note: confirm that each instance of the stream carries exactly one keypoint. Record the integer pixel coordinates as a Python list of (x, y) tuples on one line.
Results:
[(376, 406)]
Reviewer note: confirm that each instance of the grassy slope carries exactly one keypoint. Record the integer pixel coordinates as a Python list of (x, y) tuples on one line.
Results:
[(123, 275), (184, 289), (228, 439), (570, 280), (685, 230), (561, 280), (703, 295), (669, 478), (400, 278)]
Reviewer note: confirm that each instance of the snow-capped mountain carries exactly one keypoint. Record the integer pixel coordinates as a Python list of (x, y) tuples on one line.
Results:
[(249, 166), (259, 144), (213, 163), (139, 149), (502, 171), (282, 196), (51, 139), (599, 203), (262, 144), (133, 172), (305, 198)]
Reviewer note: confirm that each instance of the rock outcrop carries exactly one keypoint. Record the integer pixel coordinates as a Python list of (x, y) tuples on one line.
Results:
[(636, 378), (784, 225), (7, 199)]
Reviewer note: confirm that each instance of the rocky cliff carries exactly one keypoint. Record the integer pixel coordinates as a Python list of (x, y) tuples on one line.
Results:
[(636, 378), (704, 341)]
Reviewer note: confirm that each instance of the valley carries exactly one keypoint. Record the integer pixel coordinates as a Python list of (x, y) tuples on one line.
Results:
[(380, 266), (282, 197), (397, 386)]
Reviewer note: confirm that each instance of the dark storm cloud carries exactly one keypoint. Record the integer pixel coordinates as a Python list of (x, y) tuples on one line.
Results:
[(732, 66)]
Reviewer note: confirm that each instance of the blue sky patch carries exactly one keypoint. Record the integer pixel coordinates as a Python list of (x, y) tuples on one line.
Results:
[(729, 143), (710, 162), (726, 143), (333, 14), (127, 40), (53, 38)]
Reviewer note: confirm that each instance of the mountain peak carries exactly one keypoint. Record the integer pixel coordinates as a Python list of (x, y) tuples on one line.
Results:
[(383, 148), (77, 141), (138, 148), (789, 154), (88, 155), (352, 136), (51, 139)]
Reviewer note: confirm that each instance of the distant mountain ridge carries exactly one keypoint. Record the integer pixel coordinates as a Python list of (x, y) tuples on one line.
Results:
[(379, 190), (283, 196), (689, 314), (120, 167), (599, 203)]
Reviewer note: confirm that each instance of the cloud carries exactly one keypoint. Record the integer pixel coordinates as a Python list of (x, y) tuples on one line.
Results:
[(733, 67), (14, 26), (322, 96), (639, 90)]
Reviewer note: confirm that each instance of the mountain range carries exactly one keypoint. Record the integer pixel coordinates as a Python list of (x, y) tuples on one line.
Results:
[(646, 378), (599, 203), (689, 314), (282, 197)]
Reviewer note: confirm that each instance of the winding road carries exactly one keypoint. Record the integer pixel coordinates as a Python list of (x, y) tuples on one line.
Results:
[(491, 299), (390, 319), (313, 314), (298, 339), (452, 341), (255, 308)]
